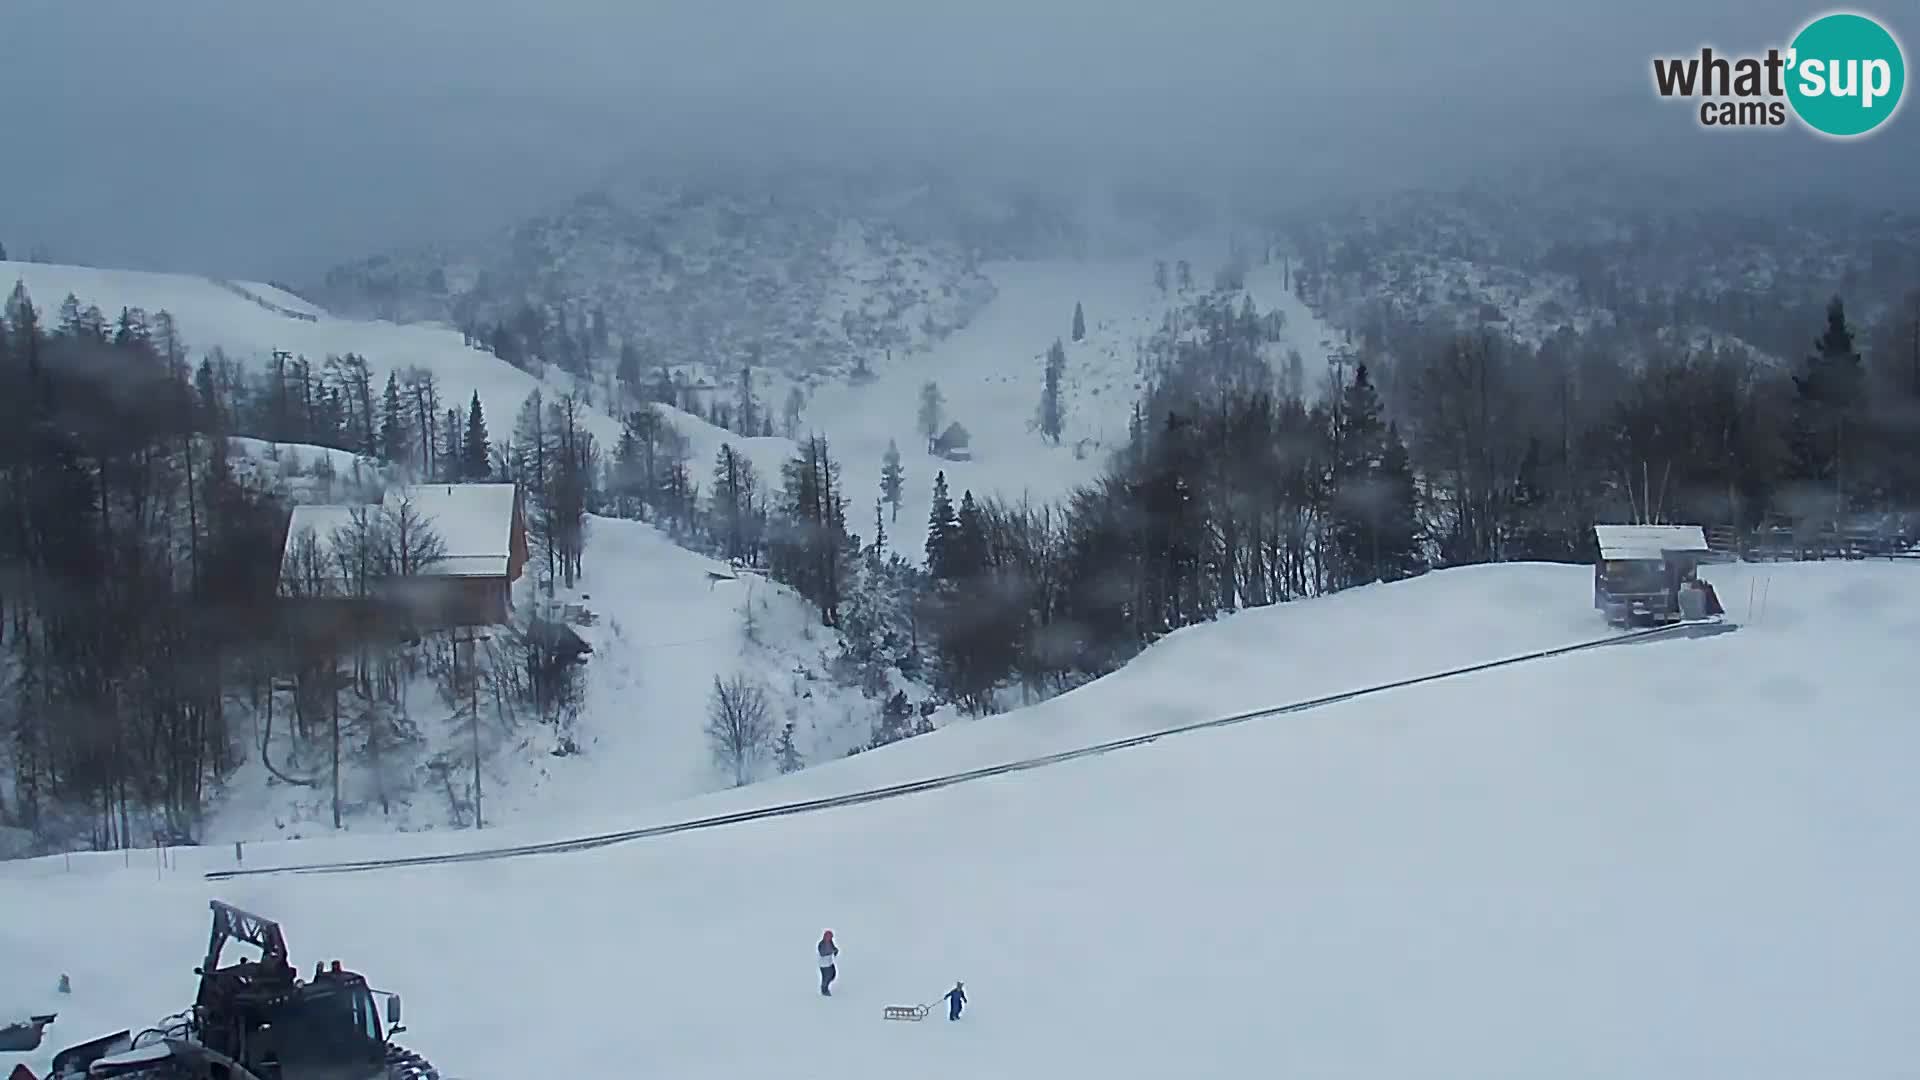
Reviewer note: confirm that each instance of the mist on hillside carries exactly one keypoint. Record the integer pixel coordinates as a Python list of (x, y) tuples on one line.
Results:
[(226, 136)]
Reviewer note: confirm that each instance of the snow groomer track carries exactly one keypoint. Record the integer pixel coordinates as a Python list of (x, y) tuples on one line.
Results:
[(934, 783)]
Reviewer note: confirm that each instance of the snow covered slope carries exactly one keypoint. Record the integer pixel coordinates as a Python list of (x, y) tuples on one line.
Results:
[(684, 274), (233, 318), (1666, 860), (1284, 653), (639, 569), (1289, 652), (991, 372), (663, 628), (649, 715), (304, 473)]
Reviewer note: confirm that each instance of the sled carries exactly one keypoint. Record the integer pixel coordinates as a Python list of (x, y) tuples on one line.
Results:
[(906, 1012)]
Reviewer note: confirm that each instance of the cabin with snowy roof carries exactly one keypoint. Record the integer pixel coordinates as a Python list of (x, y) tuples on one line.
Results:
[(432, 555), (1642, 570), (954, 444)]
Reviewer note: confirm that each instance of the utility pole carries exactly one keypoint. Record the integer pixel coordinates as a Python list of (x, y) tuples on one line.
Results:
[(473, 638), (333, 679)]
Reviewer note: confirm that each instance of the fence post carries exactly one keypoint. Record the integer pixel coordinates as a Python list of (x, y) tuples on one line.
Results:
[(236, 853)]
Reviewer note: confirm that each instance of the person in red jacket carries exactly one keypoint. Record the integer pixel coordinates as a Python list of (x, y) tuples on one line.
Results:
[(829, 953)]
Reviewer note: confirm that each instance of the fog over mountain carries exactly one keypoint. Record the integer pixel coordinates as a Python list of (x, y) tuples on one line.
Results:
[(246, 138)]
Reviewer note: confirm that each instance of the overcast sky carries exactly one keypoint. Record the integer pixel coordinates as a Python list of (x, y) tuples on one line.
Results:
[(255, 138)]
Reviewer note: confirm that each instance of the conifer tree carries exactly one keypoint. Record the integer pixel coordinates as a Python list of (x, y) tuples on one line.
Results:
[(811, 549), (476, 452), (1079, 322), (941, 524), (1531, 539), (1359, 499), (967, 549), (747, 418), (981, 622), (1399, 529), (1052, 409), (893, 480), (735, 487), (1827, 414), (628, 370), (453, 464)]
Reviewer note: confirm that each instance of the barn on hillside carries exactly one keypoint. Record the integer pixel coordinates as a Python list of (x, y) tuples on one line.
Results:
[(437, 556)]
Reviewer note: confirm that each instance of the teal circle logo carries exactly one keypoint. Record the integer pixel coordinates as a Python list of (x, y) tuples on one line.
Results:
[(1846, 75)]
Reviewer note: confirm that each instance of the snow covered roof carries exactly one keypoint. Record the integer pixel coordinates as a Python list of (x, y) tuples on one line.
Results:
[(323, 520), (1647, 541), (473, 521)]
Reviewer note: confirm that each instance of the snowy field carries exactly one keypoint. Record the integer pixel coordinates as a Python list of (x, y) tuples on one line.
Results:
[(1674, 859)]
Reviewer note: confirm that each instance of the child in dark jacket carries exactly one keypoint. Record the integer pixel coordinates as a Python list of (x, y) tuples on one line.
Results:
[(956, 997), (829, 953)]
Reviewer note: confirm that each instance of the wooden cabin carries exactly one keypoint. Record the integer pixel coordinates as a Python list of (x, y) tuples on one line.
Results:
[(431, 556), (954, 444), (1641, 569)]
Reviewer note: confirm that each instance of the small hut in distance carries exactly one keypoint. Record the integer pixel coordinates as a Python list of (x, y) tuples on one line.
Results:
[(1643, 569), (954, 443)]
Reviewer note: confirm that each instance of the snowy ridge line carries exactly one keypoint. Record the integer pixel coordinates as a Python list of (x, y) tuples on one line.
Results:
[(934, 783)]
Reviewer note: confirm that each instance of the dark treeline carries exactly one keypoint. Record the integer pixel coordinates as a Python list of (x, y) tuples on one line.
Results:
[(566, 336), (136, 570), (1547, 440), (741, 409), (406, 420), (1634, 263), (145, 653)]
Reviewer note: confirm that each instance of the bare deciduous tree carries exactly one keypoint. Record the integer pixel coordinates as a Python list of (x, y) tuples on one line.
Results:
[(739, 725), (412, 545)]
